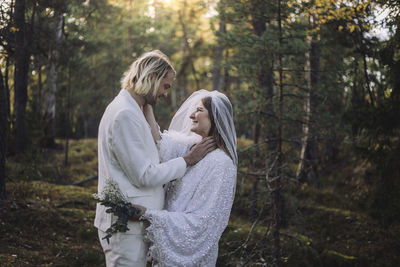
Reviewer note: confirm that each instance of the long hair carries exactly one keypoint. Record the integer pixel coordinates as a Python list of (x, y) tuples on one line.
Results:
[(146, 72), (213, 130)]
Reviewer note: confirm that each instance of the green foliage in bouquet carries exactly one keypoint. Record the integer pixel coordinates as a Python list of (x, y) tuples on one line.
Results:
[(117, 204)]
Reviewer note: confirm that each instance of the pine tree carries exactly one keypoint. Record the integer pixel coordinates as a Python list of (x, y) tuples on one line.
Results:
[(21, 75)]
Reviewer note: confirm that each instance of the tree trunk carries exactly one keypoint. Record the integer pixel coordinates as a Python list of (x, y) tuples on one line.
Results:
[(21, 76), (3, 137), (254, 195), (180, 92), (6, 72), (363, 52), (182, 76), (308, 166), (312, 144), (188, 48), (7, 88), (183, 73), (218, 60), (68, 130), (50, 96), (276, 183), (227, 81), (265, 83), (305, 126), (265, 75), (39, 95), (129, 39)]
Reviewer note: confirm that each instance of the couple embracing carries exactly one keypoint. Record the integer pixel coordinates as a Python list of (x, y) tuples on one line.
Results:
[(182, 180)]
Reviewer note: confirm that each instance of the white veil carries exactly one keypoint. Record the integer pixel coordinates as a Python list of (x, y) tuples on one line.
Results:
[(223, 117)]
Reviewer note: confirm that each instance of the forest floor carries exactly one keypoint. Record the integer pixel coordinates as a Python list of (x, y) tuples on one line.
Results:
[(48, 222)]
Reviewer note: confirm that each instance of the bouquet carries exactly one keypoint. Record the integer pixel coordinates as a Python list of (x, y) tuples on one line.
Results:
[(119, 205)]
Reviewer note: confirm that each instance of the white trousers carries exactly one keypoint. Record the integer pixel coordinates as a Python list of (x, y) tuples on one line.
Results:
[(124, 250)]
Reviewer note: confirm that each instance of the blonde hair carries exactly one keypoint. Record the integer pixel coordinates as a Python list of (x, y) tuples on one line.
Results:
[(146, 72)]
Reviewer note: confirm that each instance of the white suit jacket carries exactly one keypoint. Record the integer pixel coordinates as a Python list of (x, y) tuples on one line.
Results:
[(128, 154)]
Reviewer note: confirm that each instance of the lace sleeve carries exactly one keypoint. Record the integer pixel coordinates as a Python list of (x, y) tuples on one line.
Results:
[(172, 146), (190, 237)]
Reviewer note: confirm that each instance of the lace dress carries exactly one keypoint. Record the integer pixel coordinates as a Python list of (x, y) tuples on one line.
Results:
[(197, 209)]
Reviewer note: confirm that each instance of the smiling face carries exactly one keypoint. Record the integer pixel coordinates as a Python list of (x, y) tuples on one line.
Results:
[(201, 123), (162, 91)]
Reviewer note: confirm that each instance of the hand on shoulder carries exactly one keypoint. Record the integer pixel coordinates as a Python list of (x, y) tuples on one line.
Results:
[(200, 150)]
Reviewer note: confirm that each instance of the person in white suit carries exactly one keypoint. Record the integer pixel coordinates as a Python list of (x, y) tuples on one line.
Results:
[(128, 155)]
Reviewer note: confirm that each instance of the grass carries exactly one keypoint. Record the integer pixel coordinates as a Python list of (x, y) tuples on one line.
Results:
[(48, 225), (47, 222)]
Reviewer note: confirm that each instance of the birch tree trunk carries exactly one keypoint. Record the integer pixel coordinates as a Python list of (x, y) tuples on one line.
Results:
[(308, 166), (50, 95), (306, 126), (21, 76)]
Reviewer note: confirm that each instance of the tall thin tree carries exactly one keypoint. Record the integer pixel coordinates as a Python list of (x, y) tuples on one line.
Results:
[(308, 166), (21, 76), (50, 96), (218, 58), (3, 137), (275, 183), (264, 83)]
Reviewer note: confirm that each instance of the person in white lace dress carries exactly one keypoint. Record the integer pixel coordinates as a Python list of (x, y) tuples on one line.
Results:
[(198, 205)]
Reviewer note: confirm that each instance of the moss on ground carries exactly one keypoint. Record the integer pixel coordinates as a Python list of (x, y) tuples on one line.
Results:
[(49, 225), (47, 222)]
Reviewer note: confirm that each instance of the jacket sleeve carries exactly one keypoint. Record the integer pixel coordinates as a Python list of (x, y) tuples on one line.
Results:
[(130, 151), (172, 146)]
